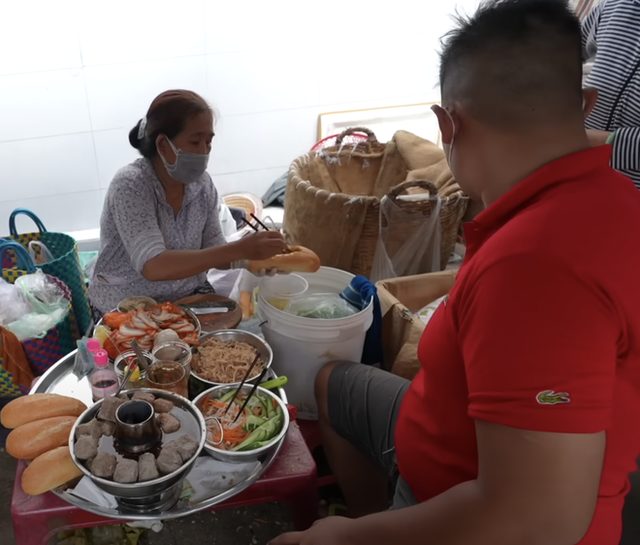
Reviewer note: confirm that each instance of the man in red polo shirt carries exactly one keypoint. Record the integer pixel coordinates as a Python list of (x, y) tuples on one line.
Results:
[(524, 422)]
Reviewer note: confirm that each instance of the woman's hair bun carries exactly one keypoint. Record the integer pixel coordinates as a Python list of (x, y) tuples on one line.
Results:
[(133, 135)]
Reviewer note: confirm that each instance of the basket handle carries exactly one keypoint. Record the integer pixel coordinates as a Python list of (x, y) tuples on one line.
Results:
[(401, 188), (24, 212), (24, 259), (371, 137)]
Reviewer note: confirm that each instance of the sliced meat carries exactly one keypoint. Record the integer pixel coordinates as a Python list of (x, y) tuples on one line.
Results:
[(103, 465), (144, 396), (92, 428), (109, 407), (163, 405), (126, 471), (86, 447), (147, 467), (187, 446), (169, 459), (168, 423)]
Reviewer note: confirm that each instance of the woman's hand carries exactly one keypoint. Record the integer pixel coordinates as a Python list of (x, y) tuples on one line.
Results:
[(262, 245)]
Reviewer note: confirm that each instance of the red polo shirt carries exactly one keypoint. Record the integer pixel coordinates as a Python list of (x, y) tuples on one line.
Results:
[(541, 332)]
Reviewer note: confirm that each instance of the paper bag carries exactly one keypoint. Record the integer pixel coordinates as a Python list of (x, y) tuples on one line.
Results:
[(400, 299)]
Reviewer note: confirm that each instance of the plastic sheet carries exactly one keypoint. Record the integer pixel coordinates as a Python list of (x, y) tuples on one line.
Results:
[(323, 306)]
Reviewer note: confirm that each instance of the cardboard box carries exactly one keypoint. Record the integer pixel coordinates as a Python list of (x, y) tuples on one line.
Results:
[(400, 299)]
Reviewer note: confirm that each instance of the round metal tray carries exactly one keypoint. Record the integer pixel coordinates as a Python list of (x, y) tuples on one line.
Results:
[(61, 380)]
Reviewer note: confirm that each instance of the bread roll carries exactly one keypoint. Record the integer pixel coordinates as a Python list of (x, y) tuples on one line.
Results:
[(48, 471), (35, 438), (246, 305), (38, 406), (299, 259)]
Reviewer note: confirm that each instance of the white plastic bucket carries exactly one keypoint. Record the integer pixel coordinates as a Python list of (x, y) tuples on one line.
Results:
[(301, 346)]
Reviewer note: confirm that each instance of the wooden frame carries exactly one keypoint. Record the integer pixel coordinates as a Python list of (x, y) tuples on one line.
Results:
[(416, 118)]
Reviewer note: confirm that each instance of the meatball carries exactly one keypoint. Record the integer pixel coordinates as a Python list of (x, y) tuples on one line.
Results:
[(187, 446), (144, 396), (147, 467), (126, 471), (169, 459), (108, 428), (86, 447), (91, 428), (163, 405), (109, 407), (168, 423), (103, 465)]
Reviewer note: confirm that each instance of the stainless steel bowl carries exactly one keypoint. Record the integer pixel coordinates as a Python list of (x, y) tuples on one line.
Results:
[(249, 455), (233, 335), (139, 492)]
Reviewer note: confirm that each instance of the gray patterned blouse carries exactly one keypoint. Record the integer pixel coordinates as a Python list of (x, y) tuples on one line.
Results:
[(138, 224)]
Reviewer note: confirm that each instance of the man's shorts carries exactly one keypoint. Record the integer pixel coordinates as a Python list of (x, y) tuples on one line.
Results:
[(363, 405)]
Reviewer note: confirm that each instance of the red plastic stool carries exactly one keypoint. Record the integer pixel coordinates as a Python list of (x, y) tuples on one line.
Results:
[(311, 432), (290, 480)]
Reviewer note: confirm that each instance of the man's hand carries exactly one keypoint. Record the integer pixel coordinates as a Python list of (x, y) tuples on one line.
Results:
[(329, 531), (598, 138)]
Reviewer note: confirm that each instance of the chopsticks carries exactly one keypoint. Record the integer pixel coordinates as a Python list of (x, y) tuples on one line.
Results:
[(253, 391), (244, 379), (257, 221)]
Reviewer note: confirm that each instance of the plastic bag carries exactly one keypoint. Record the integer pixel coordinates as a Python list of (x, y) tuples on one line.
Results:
[(425, 314), (39, 253), (42, 293), (47, 306), (323, 306), (12, 303), (409, 241)]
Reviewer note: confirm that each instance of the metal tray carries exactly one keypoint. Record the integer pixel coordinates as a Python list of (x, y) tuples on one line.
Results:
[(61, 380)]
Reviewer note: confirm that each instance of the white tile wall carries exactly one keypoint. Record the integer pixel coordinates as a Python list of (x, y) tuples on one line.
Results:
[(78, 75)]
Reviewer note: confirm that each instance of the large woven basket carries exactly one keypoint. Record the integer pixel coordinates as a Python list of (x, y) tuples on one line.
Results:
[(332, 202)]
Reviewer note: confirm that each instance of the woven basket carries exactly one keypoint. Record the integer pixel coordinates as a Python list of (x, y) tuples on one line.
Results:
[(332, 202)]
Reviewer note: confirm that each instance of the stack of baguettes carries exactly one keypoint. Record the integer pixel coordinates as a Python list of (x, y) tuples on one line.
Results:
[(41, 425)]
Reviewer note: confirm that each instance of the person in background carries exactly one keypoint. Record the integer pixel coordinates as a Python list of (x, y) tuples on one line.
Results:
[(531, 366), (611, 39), (160, 228)]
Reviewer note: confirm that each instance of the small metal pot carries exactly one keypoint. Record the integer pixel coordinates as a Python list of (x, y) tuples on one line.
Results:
[(136, 428)]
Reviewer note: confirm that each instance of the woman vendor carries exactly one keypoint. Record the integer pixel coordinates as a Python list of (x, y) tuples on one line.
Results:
[(160, 229)]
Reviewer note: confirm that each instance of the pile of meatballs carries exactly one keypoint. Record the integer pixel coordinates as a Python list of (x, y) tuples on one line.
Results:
[(125, 470)]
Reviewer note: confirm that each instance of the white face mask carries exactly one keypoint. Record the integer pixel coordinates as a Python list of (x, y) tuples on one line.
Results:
[(453, 137), (188, 168)]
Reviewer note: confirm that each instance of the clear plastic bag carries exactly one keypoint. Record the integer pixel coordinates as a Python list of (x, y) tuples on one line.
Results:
[(409, 241), (323, 306), (12, 303), (47, 305), (41, 292)]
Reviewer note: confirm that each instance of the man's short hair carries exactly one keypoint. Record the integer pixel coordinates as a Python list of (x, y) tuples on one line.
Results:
[(515, 63)]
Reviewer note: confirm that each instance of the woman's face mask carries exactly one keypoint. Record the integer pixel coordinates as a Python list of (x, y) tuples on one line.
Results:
[(188, 168)]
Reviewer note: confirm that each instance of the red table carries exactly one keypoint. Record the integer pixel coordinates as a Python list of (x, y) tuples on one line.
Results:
[(290, 480)]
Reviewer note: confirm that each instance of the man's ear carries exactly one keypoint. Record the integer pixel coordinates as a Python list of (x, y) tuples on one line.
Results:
[(445, 122), (589, 97)]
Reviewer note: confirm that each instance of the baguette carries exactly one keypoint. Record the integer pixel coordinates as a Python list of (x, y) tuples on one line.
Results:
[(48, 471), (246, 305), (299, 259), (38, 406), (35, 438)]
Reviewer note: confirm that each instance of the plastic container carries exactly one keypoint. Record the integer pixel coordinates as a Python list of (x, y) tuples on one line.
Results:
[(103, 379), (138, 379), (301, 346), (280, 289)]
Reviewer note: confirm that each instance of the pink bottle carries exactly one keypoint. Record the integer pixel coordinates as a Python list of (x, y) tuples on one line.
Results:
[(93, 345), (104, 381)]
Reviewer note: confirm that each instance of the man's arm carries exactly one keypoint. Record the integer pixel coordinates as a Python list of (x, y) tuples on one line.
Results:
[(533, 488)]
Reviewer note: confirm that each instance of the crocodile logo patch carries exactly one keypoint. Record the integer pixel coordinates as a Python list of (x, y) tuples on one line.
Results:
[(550, 397)]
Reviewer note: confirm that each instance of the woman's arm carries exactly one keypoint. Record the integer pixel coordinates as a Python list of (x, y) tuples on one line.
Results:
[(178, 264)]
